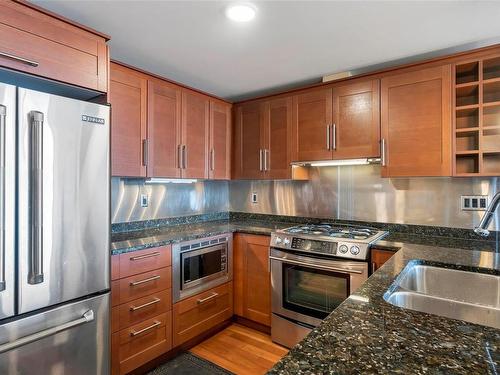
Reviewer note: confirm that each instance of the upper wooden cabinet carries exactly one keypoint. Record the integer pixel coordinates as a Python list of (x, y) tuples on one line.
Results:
[(416, 123), (128, 98), (46, 46), (263, 140), (220, 141)]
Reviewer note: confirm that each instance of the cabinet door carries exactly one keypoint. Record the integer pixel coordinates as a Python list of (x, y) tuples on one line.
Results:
[(356, 127), (195, 118), (416, 123), (220, 141), (252, 285), (379, 257), (277, 138), (248, 154), (127, 95), (312, 122), (164, 112)]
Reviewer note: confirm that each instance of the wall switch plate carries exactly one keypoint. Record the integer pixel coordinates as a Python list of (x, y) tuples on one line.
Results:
[(254, 197), (144, 200), (473, 202)]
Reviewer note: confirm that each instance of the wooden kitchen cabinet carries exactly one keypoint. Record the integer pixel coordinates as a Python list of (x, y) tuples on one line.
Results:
[(379, 257), (416, 123), (36, 42), (164, 129), (128, 98), (220, 141), (252, 282)]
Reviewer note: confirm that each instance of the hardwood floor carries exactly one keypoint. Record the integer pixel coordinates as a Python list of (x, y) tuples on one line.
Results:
[(241, 350)]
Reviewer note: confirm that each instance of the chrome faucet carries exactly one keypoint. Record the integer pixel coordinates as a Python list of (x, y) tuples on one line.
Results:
[(481, 229)]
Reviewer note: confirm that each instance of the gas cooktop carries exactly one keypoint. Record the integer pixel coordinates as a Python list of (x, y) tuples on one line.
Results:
[(333, 240)]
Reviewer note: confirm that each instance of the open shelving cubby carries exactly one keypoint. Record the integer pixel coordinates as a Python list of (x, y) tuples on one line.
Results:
[(477, 117)]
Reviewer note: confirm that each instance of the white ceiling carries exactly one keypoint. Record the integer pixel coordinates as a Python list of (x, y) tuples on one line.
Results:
[(288, 43)]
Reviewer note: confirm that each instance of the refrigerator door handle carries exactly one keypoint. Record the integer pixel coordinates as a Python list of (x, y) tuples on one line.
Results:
[(3, 113), (35, 275), (85, 318)]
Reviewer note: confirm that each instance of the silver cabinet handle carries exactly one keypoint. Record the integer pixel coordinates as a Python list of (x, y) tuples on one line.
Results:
[(267, 160), (326, 268), (260, 160), (334, 140), (139, 257), (328, 137), (153, 302), (212, 159), (87, 317), (20, 59), (145, 152), (154, 325), (35, 275), (149, 279), (3, 113), (206, 299), (179, 156), (184, 156), (383, 160)]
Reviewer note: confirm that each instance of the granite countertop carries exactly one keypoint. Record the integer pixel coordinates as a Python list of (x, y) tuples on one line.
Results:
[(367, 335)]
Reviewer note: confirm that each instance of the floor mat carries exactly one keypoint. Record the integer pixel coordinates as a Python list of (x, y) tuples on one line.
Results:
[(188, 364)]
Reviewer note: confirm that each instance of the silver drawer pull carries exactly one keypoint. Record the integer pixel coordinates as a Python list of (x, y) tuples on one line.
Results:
[(134, 283), (153, 302), (20, 59), (203, 300), (154, 325), (3, 112), (155, 254)]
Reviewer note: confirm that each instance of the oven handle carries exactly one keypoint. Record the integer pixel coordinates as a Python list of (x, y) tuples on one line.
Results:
[(316, 265)]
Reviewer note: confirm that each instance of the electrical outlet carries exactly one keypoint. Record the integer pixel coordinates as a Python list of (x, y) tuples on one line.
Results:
[(473, 202), (144, 200), (254, 197)]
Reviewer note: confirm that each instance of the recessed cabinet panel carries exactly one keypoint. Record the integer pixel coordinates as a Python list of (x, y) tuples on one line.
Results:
[(277, 150)]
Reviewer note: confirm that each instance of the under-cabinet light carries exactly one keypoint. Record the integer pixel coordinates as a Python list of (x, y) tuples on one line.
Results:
[(337, 163), (170, 181)]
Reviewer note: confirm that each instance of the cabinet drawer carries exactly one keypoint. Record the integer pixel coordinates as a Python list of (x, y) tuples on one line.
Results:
[(115, 267), (144, 260), (145, 308), (199, 313), (143, 342), (115, 293), (115, 319), (141, 285)]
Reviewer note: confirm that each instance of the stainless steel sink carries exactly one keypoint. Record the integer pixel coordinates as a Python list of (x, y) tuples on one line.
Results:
[(470, 296)]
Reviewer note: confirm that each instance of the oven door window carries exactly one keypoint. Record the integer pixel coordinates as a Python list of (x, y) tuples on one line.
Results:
[(313, 292), (198, 266)]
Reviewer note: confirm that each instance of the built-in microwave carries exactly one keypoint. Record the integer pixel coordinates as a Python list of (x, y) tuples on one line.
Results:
[(201, 264)]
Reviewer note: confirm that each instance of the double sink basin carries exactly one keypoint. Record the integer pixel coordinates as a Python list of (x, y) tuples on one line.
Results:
[(470, 296)]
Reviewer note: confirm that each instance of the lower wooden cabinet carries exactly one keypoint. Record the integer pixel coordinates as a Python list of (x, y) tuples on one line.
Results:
[(379, 257), (197, 314), (252, 282)]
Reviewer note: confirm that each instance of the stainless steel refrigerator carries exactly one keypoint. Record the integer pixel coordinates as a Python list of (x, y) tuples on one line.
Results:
[(54, 229)]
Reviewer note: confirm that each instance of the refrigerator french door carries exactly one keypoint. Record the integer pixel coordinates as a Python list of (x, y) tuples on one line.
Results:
[(54, 216)]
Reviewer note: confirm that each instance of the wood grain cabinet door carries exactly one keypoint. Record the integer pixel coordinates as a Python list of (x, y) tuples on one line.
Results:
[(194, 140), (220, 141), (277, 138), (356, 126), (248, 150), (252, 283), (312, 122), (128, 98), (416, 123), (164, 123)]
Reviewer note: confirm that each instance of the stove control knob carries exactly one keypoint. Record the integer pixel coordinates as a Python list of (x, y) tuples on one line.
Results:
[(354, 250), (286, 241), (343, 249), (278, 240)]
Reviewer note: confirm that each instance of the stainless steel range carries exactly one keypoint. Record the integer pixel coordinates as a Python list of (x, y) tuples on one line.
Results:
[(313, 269)]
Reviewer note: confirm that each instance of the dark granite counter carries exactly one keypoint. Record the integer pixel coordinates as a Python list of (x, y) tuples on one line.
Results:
[(366, 335)]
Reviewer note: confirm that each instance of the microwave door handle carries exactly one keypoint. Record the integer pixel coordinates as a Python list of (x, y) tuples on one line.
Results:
[(321, 267), (35, 275), (3, 113)]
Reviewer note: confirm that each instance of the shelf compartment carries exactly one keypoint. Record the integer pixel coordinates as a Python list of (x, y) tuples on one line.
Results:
[(468, 95), (491, 163), (491, 92), (465, 73), (491, 140), (491, 116), (467, 141), (467, 118), (491, 68), (467, 164)]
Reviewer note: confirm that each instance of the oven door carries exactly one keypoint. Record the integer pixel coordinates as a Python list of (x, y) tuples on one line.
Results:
[(307, 289)]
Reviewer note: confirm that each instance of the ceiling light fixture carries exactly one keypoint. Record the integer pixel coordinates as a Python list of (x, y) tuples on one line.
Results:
[(241, 12)]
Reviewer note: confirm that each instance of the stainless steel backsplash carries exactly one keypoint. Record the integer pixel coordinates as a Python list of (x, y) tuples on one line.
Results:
[(359, 193)]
